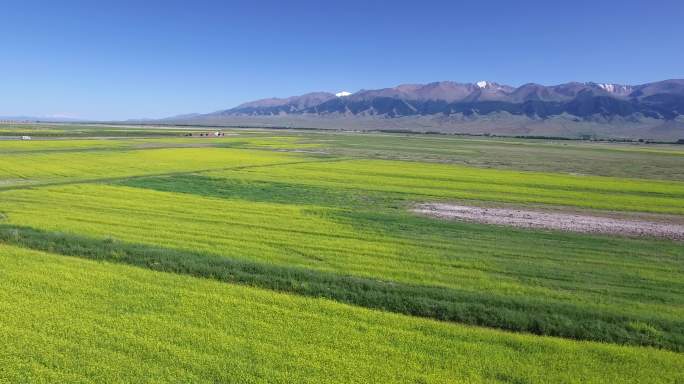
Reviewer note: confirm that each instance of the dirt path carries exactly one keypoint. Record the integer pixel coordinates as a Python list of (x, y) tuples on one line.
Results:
[(551, 220)]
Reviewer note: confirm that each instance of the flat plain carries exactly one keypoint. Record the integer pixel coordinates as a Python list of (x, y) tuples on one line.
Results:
[(134, 254)]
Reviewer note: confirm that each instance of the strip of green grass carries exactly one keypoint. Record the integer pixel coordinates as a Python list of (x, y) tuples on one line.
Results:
[(665, 162), (73, 166), (378, 243), (517, 314), (443, 182), (626, 270), (260, 191), (68, 320)]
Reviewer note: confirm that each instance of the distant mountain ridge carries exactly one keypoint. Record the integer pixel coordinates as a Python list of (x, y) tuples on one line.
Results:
[(661, 100), (447, 106)]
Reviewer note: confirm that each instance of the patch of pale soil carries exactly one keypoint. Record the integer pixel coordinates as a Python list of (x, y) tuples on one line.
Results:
[(552, 220)]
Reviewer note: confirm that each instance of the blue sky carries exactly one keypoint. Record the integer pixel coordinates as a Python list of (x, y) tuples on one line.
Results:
[(129, 59)]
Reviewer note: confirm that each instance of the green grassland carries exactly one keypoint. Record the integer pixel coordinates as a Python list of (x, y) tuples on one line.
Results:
[(435, 181), (548, 283), (243, 242), (66, 130), (69, 166), (592, 158), (70, 320), (603, 159), (412, 178)]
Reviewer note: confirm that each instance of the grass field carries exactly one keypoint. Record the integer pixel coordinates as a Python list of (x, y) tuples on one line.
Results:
[(68, 320), (603, 159), (186, 258)]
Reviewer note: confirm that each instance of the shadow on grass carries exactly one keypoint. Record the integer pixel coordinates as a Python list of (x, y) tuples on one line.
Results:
[(260, 191)]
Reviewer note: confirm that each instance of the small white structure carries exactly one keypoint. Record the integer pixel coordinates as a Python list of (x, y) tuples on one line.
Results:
[(26, 137)]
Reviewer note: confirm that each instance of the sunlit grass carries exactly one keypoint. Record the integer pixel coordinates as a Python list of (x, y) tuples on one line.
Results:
[(69, 320), (328, 215), (46, 167), (586, 274), (443, 182)]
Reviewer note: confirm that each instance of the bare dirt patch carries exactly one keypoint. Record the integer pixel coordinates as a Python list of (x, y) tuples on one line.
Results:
[(553, 220)]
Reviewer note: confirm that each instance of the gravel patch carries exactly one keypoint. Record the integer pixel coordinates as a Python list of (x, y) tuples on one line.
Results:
[(551, 220)]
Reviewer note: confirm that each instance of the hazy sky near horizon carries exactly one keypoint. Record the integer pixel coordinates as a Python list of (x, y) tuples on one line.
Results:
[(132, 59)]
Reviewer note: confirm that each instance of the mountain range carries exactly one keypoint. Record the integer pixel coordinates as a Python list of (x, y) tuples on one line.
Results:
[(652, 111), (661, 100)]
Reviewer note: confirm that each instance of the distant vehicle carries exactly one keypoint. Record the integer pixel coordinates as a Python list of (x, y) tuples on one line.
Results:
[(26, 137)]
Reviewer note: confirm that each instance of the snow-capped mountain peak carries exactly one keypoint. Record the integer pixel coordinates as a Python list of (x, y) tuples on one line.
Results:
[(482, 84), (614, 88), (342, 94), (607, 87)]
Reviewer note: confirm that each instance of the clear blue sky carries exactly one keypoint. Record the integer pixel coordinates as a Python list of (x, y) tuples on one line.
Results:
[(128, 59)]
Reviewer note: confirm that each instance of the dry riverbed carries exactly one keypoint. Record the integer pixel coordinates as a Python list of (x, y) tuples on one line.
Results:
[(571, 222)]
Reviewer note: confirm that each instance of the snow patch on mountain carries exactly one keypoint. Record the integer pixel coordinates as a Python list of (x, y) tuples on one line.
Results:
[(615, 88), (343, 94), (607, 87)]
